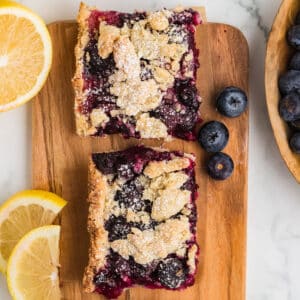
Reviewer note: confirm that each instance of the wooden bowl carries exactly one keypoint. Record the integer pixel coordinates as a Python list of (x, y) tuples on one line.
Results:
[(277, 59)]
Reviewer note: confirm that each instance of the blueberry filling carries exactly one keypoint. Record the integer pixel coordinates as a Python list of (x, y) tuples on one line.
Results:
[(187, 93), (170, 273), (117, 228), (179, 119), (106, 162), (187, 16), (135, 158), (179, 107), (96, 74), (131, 196), (94, 64)]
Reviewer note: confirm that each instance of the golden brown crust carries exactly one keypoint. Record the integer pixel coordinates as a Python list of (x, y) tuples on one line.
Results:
[(98, 235), (82, 124)]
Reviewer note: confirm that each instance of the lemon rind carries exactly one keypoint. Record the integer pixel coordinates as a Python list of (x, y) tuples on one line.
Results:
[(18, 10), (40, 232), (42, 198)]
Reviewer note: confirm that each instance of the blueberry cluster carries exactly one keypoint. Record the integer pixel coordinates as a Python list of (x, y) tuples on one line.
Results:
[(120, 273), (289, 86), (214, 135)]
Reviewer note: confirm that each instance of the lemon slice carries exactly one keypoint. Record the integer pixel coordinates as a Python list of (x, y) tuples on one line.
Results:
[(23, 212), (25, 54), (32, 272)]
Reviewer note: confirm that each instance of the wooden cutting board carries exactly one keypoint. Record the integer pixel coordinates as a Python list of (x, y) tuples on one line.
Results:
[(60, 158)]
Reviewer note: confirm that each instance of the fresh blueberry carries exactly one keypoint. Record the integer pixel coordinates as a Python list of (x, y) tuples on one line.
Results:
[(232, 102), (295, 125), (105, 162), (187, 93), (220, 166), (131, 195), (213, 136), (289, 107), (295, 142), (117, 228), (171, 273), (295, 62), (188, 96), (293, 36), (289, 82)]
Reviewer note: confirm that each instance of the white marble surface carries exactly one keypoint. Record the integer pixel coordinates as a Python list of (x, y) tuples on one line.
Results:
[(274, 206)]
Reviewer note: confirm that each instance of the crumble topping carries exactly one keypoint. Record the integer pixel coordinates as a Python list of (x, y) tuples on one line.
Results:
[(98, 117), (147, 44), (108, 34), (186, 210), (150, 127), (111, 206), (158, 21), (136, 96), (133, 94), (126, 59), (163, 77), (167, 181), (157, 168), (164, 191), (148, 245), (140, 216), (169, 203), (173, 180), (174, 51), (191, 258), (186, 63)]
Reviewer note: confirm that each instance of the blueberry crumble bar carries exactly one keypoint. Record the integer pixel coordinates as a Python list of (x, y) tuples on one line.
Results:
[(142, 220), (136, 73)]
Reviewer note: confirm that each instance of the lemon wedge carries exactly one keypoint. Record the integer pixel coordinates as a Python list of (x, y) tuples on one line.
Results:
[(25, 54), (32, 272), (23, 212)]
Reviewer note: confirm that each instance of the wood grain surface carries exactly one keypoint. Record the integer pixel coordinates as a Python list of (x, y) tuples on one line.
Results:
[(277, 59), (60, 165)]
